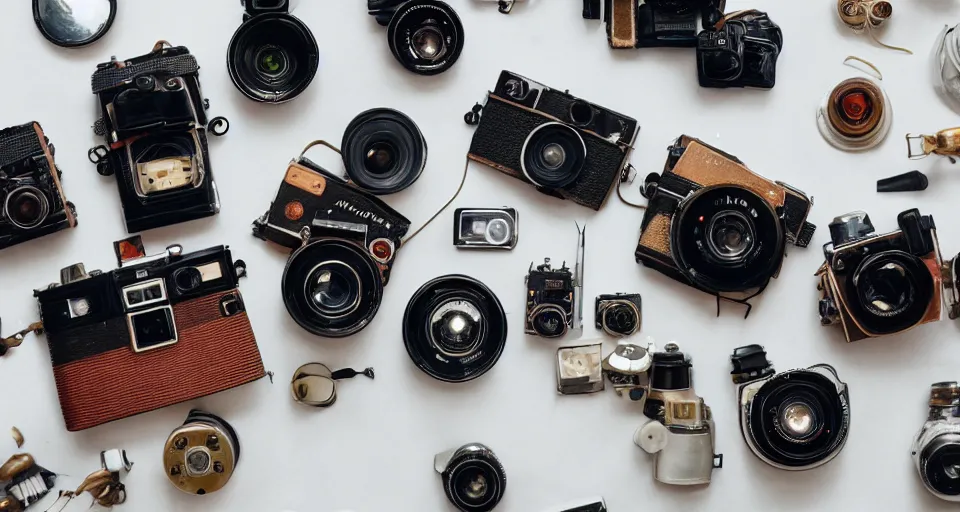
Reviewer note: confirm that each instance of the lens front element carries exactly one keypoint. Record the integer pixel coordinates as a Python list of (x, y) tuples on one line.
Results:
[(426, 36)]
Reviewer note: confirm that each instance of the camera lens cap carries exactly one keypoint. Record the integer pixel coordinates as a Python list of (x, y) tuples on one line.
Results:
[(454, 328)]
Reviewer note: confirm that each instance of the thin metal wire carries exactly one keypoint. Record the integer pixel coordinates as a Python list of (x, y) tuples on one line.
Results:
[(628, 203), (444, 207), (318, 143)]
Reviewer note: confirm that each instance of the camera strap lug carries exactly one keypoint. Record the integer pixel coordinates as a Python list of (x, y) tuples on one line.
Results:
[(100, 156), (240, 267), (17, 339), (472, 118), (717, 461)]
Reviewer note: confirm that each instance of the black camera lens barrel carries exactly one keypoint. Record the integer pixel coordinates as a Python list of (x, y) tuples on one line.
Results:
[(475, 338), (26, 207), (937, 462), (474, 479), (671, 370), (425, 36), (384, 151), (891, 291), (273, 56)]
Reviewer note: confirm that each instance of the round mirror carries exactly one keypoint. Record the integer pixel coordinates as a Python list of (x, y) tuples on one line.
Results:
[(73, 23)]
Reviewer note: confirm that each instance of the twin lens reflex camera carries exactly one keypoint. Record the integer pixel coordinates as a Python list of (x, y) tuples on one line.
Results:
[(879, 284), (153, 118), (717, 226)]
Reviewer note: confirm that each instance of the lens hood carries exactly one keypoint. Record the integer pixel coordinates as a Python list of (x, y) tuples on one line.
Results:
[(383, 151), (272, 57), (454, 328), (425, 36), (308, 310)]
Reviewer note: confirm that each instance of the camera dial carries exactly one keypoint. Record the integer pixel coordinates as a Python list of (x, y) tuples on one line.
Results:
[(332, 288), (273, 56), (473, 478), (454, 328), (384, 151), (425, 36), (26, 207)]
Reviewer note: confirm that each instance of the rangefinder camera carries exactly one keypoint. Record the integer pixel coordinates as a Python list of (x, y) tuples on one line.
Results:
[(31, 195), (161, 329), (874, 285), (715, 225), (479, 228), (344, 242), (154, 122), (564, 146)]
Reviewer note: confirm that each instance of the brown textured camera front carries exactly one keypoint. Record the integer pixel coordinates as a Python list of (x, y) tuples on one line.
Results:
[(706, 167), (305, 179), (623, 24), (71, 218), (656, 235), (213, 353)]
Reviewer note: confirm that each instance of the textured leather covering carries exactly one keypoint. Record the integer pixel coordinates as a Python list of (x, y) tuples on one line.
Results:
[(18, 143), (213, 354)]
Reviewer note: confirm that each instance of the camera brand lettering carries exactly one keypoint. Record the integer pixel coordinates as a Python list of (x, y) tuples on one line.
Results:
[(347, 206), (737, 201)]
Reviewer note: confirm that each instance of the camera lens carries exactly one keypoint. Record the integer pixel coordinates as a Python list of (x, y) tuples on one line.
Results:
[(553, 155), (892, 290), (332, 288), (200, 456), (273, 57), (549, 321), (384, 151), (473, 479), (26, 207), (939, 463), (454, 328), (621, 319), (798, 419), (498, 232), (727, 239), (426, 36)]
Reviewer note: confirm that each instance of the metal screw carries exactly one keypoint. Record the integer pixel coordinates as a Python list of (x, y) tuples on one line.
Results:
[(218, 467), (175, 471), (180, 443), (213, 442)]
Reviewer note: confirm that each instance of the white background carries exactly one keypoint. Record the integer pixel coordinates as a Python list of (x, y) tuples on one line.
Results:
[(373, 451)]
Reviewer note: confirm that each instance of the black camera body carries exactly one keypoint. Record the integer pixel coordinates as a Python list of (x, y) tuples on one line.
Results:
[(566, 147), (655, 23), (741, 53), (619, 314), (345, 242), (154, 122), (550, 300), (32, 202)]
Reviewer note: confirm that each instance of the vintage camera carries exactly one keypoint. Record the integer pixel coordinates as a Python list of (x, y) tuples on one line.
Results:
[(473, 478), (555, 296), (454, 328), (680, 432), (595, 504), (200, 456), (344, 240), (425, 36), (155, 125), (936, 448), (742, 52), (31, 196), (651, 23), (579, 369), (149, 327), (273, 56), (715, 225), (566, 147), (874, 285), (479, 228), (792, 420), (619, 315)]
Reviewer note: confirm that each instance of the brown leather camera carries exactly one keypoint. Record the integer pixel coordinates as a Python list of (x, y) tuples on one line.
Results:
[(715, 225), (157, 331), (874, 285)]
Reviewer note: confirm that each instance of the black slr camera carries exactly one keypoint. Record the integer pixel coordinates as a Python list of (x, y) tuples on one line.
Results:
[(154, 122), (551, 300), (344, 242), (714, 224), (875, 285), (565, 146), (742, 52), (31, 197), (652, 23)]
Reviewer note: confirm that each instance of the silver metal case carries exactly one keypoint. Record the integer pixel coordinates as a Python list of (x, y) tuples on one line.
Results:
[(940, 431)]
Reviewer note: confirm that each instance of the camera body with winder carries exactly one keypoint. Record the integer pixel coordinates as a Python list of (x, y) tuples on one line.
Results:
[(154, 122), (875, 285), (344, 242), (652, 23), (564, 146), (32, 201), (742, 52), (160, 329), (715, 225), (793, 420)]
